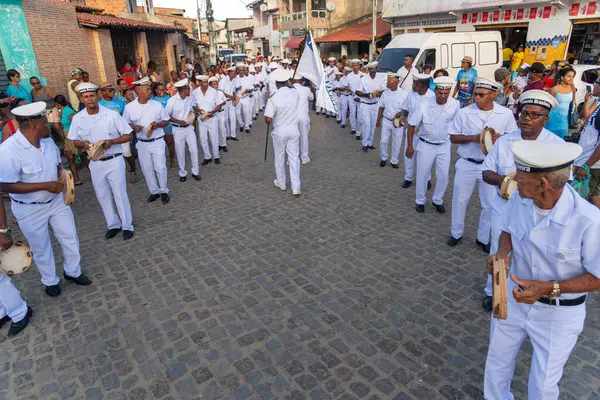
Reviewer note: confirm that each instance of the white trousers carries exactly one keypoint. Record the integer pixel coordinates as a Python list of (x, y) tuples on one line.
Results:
[(256, 101), (553, 332), (409, 163), (222, 129), (286, 139), (153, 162), (344, 104), (11, 303), (387, 130), (209, 128), (244, 112), (33, 222), (368, 120), (263, 98), (230, 119), (183, 136), (354, 108), (304, 128), (498, 206), (467, 175), (110, 185), (428, 154)]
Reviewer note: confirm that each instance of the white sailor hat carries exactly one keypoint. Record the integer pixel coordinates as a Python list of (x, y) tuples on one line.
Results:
[(544, 156), (76, 71), (273, 66), (443, 82), (348, 69), (143, 82), (422, 77), (251, 69), (339, 73), (242, 65), (231, 69), (182, 83), (298, 76), (285, 61), (258, 65), (85, 87), (393, 75), (282, 75), (213, 79), (30, 111), (202, 78), (485, 83), (524, 66), (331, 59), (355, 61), (538, 98), (372, 64)]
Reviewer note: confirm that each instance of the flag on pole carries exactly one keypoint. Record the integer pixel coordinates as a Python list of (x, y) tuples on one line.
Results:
[(311, 67)]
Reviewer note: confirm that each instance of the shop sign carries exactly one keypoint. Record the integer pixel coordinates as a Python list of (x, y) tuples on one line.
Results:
[(533, 13), (547, 12), (574, 11), (484, 16), (496, 16), (507, 15), (520, 13), (591, 8)]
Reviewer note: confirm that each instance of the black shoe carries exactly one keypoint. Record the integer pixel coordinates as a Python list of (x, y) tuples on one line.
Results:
[(182, 178), (220, 148), (225, 149), (406, 184), (353, 132), (17, 327), (395, 166), (206, 161), (81, 280), (53, 291), (255, 118), (365, 149), (217, 161), (428, 185), (371, 147), (112, 233), (440, 208), (228, 138), (164, 198), (241, 129), (488, 303), (382, 163), (358, 138), (452, 241), (4, 320), (343, 126), (153, 197), (326, 115), (247, 130), (420, 208), (485, 247), (249, 126), (317, 113), (127, 235), (235, 139), (197, 177)]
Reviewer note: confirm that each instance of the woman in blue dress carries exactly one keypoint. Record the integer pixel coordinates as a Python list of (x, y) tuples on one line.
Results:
[(564, 93), (160, 94)]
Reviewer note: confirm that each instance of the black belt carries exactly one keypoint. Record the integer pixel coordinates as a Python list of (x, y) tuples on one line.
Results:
[(370, 104), (150, 140), (110, 157), (474, 161), (435, 144), (35, 202), (566, 302)]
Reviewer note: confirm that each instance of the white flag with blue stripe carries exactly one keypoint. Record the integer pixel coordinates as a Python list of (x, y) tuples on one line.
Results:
[(311, 67)]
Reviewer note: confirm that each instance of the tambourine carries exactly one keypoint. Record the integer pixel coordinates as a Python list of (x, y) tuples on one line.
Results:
[(376, 93), (191, 118), (508, 186), (15, 260), (236, 101), (499, 289), (205, 115), (97, 150), (486, 139), (149, 129), (69, 187), (397, 122)]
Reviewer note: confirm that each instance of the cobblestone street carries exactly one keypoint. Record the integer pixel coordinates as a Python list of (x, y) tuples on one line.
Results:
[(236, 290)]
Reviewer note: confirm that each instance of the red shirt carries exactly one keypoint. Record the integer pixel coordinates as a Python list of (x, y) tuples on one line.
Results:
[(536, 85)]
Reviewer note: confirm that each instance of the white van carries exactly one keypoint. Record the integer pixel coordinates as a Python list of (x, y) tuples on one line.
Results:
[(445, 50)]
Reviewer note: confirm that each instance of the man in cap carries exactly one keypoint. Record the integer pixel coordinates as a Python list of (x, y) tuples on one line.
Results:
[(432, 117), (305, 96), (205, 102), (345, 92), (536, 71), (147, 119), (271, 88), (335, 87), (282, 112), (369, 93), (502, 78), (330, 71), (213, 82), (499, 161), (407, 72), (178, 109), (550, 237), (391, 106), (31, 172), (285, 63), (465, 82), (354, 84), (260, 90), (465, 130), (91, 125), (227, 87), (244, 89), (294, 65), (76, 76)]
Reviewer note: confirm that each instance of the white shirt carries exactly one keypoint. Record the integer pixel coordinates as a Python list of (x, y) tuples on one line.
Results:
[(20, 161), (344, 83), (410, 76), (354, 81), (271, 86), (369, 85), (104, 125), (433, 119), (205, 101), (304, 97), (244, 83), (283, 108), (179, 108), (143, 115), (589, 140), (330, 72), (414, 99), (562, 246), (470, 121), (393, 102), (227, 85)]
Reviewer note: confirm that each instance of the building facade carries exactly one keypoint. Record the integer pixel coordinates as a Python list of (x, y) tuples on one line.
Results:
[(266, 35)]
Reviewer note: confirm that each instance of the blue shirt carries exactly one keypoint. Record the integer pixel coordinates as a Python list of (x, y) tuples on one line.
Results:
[(64, 119), (162, 100), (114, 105), (466, 83), (19, 92)]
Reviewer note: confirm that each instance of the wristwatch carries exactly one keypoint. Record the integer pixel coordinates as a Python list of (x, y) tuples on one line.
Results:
[(555, 293), (6, 232)]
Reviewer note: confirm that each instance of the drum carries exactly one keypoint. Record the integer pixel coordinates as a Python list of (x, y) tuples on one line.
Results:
[(486, 139), (97, 150), (397, 122), (15, 260), (191, 118), (499, 289), (508, 186), (69, 187)]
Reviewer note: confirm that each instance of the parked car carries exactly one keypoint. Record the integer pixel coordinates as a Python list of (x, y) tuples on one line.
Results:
[(234, 58), (585, 76), (225, 52)]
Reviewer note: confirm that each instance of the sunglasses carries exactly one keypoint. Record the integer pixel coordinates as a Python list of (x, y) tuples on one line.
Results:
[(532, 115), (480, 95), (108, 90), (35, 83)]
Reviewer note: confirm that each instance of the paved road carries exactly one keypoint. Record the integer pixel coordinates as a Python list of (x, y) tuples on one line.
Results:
[(237, 290)]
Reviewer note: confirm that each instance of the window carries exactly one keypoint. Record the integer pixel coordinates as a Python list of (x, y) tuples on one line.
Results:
[(444, 56), (427, 57), (459, 50), (488, 53), (590, 75), (391, 60)]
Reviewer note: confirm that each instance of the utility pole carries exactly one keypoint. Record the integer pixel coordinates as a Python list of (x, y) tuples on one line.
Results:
[(372, 55), (212, 51)]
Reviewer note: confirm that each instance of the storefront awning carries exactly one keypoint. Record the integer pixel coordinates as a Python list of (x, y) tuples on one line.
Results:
[(109, 21), (294, 43), (362, 32)]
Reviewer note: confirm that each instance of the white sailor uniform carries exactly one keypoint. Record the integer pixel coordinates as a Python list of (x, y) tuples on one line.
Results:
[(345, 99), (355, 83), (227, 86), (304, 97), (369, 107), (413, 101), (178, 108), (392, 103), (209, 127), (244, 107), (11, 303)]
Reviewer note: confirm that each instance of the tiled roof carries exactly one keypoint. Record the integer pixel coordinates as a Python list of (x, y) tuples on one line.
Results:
[(78, 7), (109, 21), (196, 41), (357, 33)]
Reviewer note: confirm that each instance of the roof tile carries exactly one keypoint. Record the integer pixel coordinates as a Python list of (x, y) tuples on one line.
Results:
[(109, 21), (357, 33)]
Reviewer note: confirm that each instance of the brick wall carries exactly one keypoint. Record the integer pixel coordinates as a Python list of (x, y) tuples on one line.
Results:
[(105, 56), (115, 7)]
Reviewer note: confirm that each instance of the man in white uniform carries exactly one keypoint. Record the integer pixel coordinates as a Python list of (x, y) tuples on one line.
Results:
[(432, 117), (345, 96), (391, 105), (90, 125), (204, 102), (330, 71), (371, 88), (499, 162), (282, 111), (407, 73), (148, 118), (213, 82), (227, 86), (335, 87), (285, 64), (270, 82), (244, 88), (178, 109), (30, 170), (305, 96), (254, 107), (465, 130), (260, 92), (550, 237)]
